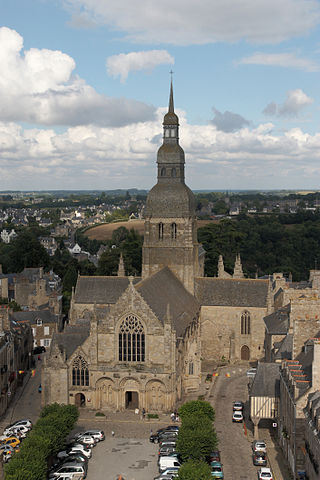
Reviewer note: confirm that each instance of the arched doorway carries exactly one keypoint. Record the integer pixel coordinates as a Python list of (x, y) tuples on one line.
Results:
[(245, 352), (80, 400), (132, 400)]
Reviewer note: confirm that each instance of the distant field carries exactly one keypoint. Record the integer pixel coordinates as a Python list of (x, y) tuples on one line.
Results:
[(104, 232)]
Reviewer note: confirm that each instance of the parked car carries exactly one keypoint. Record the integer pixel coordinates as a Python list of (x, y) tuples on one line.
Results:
[(166, 462), (167, 450), (259, 446), (86, 440), (170, 476), (98, 435), (76, 448), (69, 468), (25, 422), (259, 459), (214, 456), (13, 441), (73, 457), (216, 470), (16, 430), (251, 373), (264, 474), (237, 416), (237, 406), (171, 471), (154, 437)]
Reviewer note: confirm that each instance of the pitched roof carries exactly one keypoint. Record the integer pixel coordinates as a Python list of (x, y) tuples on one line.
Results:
[(231, 292), (103, 290), (277, 323), (183, 307), (72, 337), (285, 348), (31, 316), (266, 383)]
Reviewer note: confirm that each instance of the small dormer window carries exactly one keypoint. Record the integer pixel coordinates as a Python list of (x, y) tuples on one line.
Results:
[(39, 322)]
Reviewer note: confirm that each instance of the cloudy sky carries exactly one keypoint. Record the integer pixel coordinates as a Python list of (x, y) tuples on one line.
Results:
[(84, 85)]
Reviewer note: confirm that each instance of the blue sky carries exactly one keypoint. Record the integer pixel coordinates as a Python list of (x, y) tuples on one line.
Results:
[(84, 85)]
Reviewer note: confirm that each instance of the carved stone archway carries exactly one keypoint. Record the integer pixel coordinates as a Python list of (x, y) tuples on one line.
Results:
[(156, 396), (106, 397)]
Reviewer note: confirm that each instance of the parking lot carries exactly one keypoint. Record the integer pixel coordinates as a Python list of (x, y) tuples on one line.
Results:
[(134, 459)]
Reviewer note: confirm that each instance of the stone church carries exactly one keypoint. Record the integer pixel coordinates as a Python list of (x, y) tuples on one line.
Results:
[(142, 342)]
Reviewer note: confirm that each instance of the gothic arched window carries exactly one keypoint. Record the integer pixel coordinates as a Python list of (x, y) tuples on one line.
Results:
[(173, 231), (131, 340), (163, 172), (245, 323), (160, 226), (173, 172), (80, 372)]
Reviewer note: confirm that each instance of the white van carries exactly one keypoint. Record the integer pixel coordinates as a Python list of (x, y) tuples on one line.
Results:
[(168, 462)]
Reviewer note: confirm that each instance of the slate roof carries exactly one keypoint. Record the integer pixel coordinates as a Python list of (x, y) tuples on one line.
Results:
[(232, 292), (266, 383), (72, 337), (285, 348), (31, 316), (101, 290), (163, 289), (277, 323)]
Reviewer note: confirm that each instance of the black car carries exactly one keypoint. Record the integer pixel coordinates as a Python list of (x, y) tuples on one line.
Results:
[(154, 437), (38, 350), (259, 459)]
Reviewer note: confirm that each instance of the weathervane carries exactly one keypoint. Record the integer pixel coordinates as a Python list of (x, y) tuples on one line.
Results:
[(171, 73)]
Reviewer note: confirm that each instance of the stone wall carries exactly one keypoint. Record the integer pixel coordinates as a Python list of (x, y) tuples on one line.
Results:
[(221, 333)]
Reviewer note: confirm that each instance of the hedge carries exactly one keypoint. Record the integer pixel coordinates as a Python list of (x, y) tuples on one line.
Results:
[(45, 440)]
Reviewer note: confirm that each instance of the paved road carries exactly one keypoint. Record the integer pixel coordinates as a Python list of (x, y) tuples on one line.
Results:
[(234, 444)]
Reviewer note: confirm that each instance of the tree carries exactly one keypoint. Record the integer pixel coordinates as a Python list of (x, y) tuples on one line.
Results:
[(197, 438), (109, 262), (196, 408), (26, 251), (192, 470), (71, 275)]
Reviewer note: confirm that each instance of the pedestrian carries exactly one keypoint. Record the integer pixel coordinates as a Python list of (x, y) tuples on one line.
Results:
[(112, 433), (39, 358), (143, 412), (172, 416)]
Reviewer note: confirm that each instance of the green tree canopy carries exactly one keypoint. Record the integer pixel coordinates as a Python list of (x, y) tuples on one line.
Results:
[(196, 408), (193, 470), (196, 438)]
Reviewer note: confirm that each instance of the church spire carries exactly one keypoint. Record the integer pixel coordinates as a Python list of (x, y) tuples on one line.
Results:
[(171, 104)]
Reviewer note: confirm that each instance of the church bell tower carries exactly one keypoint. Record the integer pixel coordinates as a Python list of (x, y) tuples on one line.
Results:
[(170, 237)]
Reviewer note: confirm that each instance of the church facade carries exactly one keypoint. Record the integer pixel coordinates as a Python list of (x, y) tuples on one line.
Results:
[(141, 342)]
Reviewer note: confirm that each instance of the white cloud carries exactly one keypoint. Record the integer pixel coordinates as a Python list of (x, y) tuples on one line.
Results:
[(39, 86), (286, 60), (296, 101), (100, 157), (186, 22), (124, 63)]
